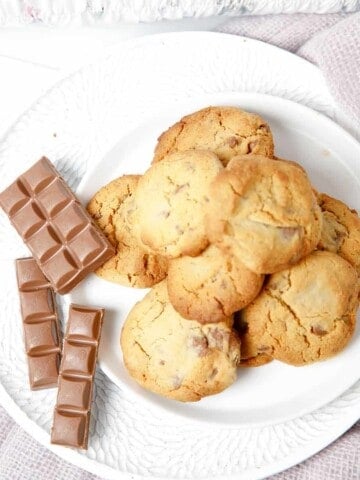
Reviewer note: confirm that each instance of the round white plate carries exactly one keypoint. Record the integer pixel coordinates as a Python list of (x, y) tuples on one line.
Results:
[(113, 110), (329, 155)]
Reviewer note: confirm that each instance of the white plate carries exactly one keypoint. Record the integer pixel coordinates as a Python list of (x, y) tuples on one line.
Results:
[(122, 103), (330, 156)]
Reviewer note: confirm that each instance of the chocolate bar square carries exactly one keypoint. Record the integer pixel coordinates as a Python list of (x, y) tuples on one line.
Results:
[(28, 220), (70, 221), (70, 429), (54, 198), (37, 305), (74, 394), (85, 324), (86, 246), (14, 198), (39, 176), (44, 370), (45, 242), (61, 268), (78, 359), (29, 275), (41, 338)]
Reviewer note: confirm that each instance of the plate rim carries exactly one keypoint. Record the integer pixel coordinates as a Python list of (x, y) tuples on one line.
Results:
[(109, 473), (150, 400), (29, 425)]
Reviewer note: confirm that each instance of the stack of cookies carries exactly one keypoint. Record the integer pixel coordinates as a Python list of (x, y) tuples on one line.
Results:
[(247, 263)]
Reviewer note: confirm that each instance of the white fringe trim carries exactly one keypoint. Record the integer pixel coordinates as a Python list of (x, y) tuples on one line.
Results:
[(87, 12)]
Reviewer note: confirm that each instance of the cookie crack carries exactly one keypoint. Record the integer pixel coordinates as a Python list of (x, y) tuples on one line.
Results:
[(142, 349), (286, 305), (172, 147), (236, 286), (221, 306), (160, 313), (220, 120), (192, 292), (293, 314), (289, 279), (129, 192), (274, 338), (235, 133)]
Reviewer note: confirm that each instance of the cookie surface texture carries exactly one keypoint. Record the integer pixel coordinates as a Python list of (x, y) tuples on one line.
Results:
[(304, 314), (170, 201), (264, 212), (341, 230), (174, 357), (211, 286), (226, 131), (132, 265)]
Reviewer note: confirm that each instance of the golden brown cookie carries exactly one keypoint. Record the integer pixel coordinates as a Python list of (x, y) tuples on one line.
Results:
[(170, 201), (132, 265), (177, 358), (264, 212), (305, 313), (258, 361), (226, 131), (341, 230), (211, 286)]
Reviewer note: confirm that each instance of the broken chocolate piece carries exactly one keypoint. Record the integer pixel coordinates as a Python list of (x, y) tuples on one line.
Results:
[(61, 235), (76, 378), (40, 323)]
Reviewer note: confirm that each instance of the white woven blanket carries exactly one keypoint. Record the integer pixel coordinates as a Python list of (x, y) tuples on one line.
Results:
[(79, 12)]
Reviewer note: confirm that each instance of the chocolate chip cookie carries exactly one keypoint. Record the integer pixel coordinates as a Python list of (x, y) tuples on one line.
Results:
[(177, 358)]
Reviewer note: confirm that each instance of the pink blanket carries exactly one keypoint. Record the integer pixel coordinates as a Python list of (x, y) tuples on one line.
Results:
[(330, 41)]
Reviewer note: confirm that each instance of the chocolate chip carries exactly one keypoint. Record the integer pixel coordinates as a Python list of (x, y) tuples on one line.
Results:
[(181, 187), (264, 128), (233, 142), (263, 348), (213, 374), (251, 146), (288, 232), (217, 337), (318, 330), (338, 236), (200, 345), (177, 381)]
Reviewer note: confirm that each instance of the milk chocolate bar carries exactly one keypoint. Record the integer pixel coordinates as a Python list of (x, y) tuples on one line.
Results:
[(57, 229), (76, 378), (40, 323)]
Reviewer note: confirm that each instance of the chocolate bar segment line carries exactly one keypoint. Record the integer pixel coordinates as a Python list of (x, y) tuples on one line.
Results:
[(57, 229), (76, 378), (40, 324)]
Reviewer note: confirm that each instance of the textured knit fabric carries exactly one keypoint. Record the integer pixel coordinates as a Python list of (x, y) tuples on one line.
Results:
[(85, 12), (339, 461), (330, 41), (22, 458)]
